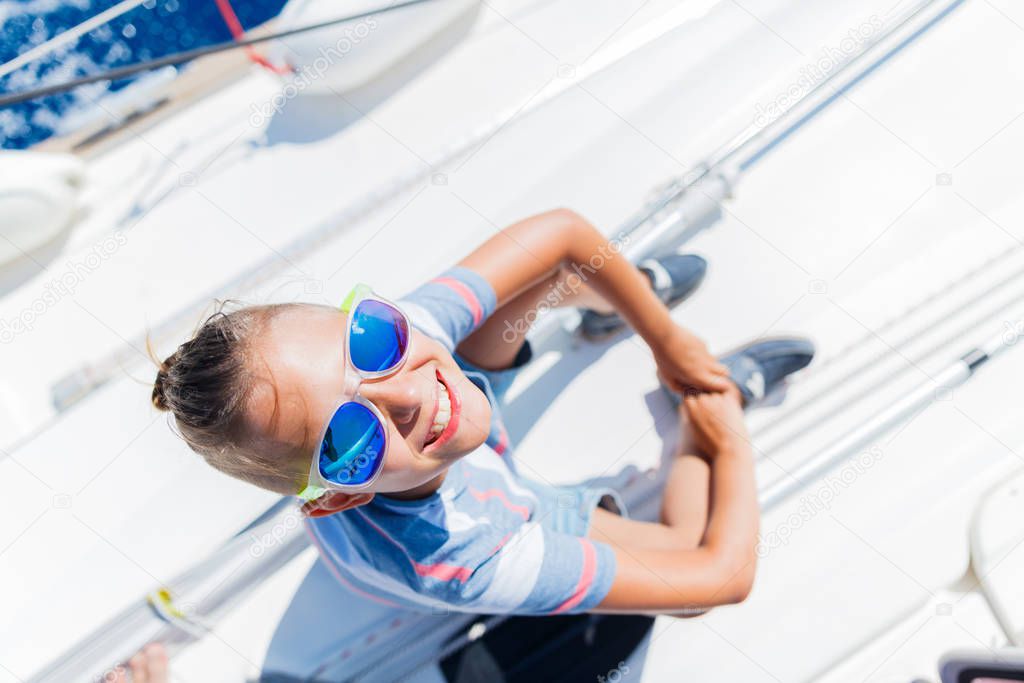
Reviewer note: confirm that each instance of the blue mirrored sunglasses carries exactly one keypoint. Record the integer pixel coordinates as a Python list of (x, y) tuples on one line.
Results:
[(355, 439)]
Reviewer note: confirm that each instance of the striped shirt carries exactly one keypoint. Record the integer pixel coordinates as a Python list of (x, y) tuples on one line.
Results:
[(488, 540)]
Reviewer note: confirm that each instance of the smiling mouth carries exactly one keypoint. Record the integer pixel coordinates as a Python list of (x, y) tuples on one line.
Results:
[(446, 414)]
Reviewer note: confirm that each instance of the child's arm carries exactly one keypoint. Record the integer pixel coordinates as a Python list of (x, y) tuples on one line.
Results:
[(558, 259), (659, 567)]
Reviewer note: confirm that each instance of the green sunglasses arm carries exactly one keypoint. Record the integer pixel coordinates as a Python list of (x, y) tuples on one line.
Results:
[(360, 291), (311, 492)]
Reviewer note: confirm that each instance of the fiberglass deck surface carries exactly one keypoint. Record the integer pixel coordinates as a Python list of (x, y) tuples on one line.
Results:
[(839, 235)]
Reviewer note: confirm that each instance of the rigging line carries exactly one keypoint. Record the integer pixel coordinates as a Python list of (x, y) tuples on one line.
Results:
[(188, 55), (227, 13)]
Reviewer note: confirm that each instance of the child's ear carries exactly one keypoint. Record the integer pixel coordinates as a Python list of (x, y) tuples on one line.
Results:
[(334, 502)]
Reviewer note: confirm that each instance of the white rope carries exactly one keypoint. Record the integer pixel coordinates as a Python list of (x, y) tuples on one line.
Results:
[(71, 35)]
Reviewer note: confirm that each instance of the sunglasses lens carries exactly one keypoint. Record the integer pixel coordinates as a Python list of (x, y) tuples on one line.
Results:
[(353, 448), (378, 336)]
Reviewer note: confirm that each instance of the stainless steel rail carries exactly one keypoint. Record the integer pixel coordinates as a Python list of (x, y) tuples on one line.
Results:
[(850, 444), (751, 147), (695, 199)]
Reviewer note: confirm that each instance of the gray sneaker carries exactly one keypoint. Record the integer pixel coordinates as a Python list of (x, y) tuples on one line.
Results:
[(673, 278), (760, 367)]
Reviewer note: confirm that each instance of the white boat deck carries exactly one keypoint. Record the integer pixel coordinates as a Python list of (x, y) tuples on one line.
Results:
[(888, 230)]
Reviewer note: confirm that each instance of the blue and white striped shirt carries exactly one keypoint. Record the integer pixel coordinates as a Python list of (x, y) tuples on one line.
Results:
[(489, 540)]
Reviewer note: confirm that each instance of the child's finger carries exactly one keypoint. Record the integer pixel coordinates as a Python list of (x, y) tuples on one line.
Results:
[(138, 668), (715, 382), (156, 657)]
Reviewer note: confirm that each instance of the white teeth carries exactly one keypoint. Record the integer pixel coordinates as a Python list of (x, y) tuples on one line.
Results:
[(444, 411)]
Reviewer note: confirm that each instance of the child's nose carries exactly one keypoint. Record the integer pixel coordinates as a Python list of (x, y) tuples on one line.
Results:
[(399, 396)]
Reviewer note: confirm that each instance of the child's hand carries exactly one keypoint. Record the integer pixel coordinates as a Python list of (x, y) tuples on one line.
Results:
[(715, 423), (685, 363)]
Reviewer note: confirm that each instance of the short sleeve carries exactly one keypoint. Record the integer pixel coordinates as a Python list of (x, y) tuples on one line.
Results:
[(451, 306), (539, 572)]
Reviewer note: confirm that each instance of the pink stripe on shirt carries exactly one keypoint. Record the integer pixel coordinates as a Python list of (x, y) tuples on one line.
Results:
[(437, 570), (586, 577), (482, 496), (463, 290), (502, 444), (442, 571)]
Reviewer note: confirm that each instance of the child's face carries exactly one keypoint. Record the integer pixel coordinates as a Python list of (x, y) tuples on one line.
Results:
[(302, 354)]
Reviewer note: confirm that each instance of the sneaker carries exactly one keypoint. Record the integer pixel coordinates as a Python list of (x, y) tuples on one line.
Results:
[(761, 366), (673, 278)]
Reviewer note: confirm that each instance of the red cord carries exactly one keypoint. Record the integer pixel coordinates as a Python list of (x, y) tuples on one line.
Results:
[(227, 12)]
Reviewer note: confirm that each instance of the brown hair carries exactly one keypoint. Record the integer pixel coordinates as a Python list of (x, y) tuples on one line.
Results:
[(206, 383)]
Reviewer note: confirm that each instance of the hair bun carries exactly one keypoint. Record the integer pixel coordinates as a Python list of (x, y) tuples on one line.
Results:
[(159, 396), (159, 400)]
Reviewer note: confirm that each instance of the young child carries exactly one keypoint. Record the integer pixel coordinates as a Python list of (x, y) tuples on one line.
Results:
[(385, 419)]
